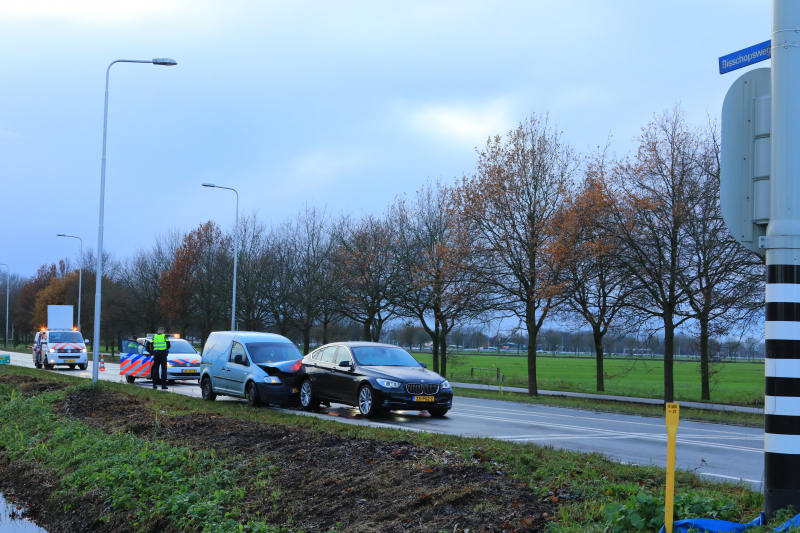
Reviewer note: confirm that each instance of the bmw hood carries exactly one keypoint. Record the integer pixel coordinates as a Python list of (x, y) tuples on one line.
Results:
[(403, 373)]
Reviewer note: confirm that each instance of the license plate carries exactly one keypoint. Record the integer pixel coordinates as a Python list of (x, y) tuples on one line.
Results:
[(190, 371), (70, 361), (422, 398), (295, 391)]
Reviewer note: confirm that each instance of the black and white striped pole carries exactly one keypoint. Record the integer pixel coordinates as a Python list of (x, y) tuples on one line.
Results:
[(782, 244), (760, 200)]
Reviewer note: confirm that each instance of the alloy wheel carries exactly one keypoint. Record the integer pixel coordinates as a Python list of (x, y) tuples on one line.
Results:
[(305, 394), (365, 401)]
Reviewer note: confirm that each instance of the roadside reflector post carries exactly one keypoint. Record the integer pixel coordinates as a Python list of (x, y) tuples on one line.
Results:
[(673, 413)]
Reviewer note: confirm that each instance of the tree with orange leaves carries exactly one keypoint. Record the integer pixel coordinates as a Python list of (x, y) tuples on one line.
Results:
[(509, 206), (595, 286)]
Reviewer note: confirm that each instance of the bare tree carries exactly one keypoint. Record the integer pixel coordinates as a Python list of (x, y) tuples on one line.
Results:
[(654, 201), (510, 206), (722, 279), (440, 283), (311, 247), (364, 254), (252, 278)]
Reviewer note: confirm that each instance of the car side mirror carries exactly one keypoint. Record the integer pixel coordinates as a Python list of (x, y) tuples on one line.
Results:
[(345, 364), (423, 365), (238, 359)]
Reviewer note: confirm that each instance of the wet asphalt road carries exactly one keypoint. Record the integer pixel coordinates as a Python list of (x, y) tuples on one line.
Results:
[(713, 450)]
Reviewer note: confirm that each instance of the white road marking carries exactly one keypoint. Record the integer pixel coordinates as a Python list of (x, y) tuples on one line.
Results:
[(730, 477)]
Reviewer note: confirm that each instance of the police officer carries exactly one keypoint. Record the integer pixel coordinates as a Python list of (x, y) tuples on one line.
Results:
[(159, 347)]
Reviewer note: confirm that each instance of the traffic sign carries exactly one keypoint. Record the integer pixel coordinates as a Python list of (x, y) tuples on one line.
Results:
[(745, 160), (5, 359), (743, 58)]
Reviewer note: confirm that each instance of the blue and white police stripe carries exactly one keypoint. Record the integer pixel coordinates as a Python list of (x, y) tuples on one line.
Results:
[(782, 395)]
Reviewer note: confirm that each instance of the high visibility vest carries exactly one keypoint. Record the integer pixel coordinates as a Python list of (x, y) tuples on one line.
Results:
[(159, 342)]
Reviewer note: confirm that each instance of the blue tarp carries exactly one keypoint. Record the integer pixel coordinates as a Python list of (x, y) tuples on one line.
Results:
[(710, 525)]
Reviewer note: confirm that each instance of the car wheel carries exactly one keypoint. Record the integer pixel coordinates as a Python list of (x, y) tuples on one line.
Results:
[(130, 379), (83, 366), (253, 399), (366, 401), (170, 382), (207, 390), (72, 367), (308, 398), (47, 365), (438, 413)]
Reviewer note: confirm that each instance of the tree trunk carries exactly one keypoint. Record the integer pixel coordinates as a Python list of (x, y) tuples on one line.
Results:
[(367, 330), (306, 339), (435, 346), (669, 347), (324, 332), (598, 350), (704, 378), (530, 322), (443, 355)]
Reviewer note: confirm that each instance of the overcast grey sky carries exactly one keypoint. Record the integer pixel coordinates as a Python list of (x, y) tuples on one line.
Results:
[(332, 102)]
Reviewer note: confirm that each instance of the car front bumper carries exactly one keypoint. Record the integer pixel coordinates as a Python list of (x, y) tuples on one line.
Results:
[(403, 401), (67, 359), (178, 373)]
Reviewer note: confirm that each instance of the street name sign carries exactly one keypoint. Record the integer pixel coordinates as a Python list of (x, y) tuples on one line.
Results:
[(743, 58)]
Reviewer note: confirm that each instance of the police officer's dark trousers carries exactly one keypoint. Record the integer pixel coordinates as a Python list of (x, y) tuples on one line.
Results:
[(159, 362)]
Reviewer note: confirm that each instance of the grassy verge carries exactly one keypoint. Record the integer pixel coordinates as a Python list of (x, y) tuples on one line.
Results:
[(622, 408), (594, 493), (149, 480), (736, 383)]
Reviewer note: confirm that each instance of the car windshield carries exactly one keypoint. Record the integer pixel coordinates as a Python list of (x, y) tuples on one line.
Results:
[(65, 336), (180, 346), (383, 356), (273, 352)]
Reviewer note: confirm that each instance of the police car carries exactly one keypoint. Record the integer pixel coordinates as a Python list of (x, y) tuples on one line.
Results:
[(183, 361)]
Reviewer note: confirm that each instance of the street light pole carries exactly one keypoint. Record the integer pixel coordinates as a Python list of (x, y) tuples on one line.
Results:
[(99, 284), (235, 250), (80, 276), (8, 284)]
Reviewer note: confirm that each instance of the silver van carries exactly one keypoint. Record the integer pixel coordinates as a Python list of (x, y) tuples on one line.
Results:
[(261, 367)]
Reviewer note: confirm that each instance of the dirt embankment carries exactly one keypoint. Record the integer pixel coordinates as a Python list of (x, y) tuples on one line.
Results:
[(319, 481)]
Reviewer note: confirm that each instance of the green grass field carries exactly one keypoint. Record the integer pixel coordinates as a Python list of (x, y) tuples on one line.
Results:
[(734, 383)]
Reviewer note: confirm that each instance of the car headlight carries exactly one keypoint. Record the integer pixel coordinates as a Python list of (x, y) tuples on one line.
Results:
[(389, 384), (272, 380), (83, 351), (170, 364), (445, 385), (52, 350)]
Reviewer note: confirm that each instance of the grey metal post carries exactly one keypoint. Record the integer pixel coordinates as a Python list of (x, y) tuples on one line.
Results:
[(782, 327), (8, 284), (80, 276), (99, 283), (235, 249)]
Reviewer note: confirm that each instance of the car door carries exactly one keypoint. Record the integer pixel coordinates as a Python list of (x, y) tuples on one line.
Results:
[(238, 365), (219, 365), (343, 380), (324, 372)]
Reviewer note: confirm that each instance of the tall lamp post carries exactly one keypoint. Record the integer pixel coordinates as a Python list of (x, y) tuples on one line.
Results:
[(8, 284), (80, 275), (99, 284), (235, 249)]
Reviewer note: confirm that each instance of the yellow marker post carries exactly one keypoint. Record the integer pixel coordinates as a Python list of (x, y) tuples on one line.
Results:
[(673, 413)]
